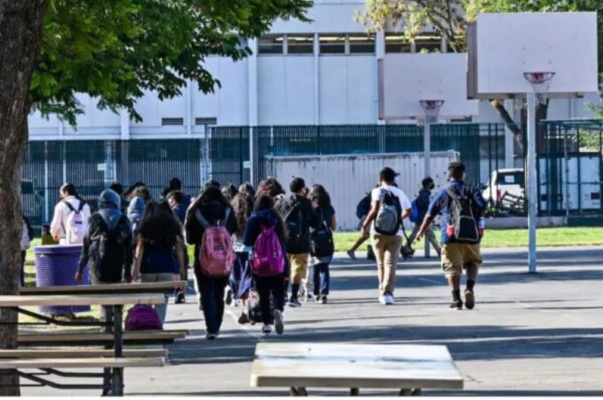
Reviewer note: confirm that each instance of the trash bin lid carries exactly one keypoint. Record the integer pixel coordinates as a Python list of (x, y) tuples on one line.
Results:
[(58, 249)]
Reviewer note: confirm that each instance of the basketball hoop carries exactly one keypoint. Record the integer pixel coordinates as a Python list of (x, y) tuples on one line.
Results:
[(541, 83), (432, 109)]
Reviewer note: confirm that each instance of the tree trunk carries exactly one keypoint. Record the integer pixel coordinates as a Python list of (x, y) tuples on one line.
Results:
[(21, 25), (517, 130)]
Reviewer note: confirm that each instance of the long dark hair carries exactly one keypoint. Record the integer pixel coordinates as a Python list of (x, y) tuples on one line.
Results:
[(159, 225), (69, 189), (265, 202), (212, 194), (242, 205), (319, 194), (271, 187), (247, 188), (230, 191)]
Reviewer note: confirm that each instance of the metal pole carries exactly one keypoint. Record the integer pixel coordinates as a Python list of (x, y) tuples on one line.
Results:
[(566, 177), (427, 150), (532, 189), (46, 188)]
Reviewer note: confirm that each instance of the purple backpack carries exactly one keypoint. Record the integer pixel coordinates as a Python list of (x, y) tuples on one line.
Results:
[(268, 256), (142, 317)]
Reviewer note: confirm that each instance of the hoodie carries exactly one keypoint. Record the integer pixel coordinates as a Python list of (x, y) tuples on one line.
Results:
[(253, 229), (109, 212), (136, 209)]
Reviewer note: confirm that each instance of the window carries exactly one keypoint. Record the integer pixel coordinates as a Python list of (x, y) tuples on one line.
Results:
[(172, 121), (362, 44), (332, 44), (397, 44), (428, 43), (271, 44), (206, 121), (300, 44)]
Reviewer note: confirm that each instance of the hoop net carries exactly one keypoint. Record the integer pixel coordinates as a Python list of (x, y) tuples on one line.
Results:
[(432, 109), (541, 83)]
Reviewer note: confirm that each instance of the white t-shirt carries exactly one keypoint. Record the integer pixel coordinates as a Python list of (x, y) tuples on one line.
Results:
[(61, 212), (377, 194)]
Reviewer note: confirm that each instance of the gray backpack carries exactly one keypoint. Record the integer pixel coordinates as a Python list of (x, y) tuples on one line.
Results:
[(389, 217)]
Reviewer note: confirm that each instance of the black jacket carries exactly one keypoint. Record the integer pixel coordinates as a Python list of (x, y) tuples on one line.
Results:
[(423, 201), (310, 219)]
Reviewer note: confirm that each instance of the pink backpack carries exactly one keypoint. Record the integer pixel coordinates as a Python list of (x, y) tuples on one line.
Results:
[(142, 317), (268, 257), (217, 254)]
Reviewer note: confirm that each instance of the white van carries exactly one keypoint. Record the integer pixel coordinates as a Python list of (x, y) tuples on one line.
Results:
[(503, 181)]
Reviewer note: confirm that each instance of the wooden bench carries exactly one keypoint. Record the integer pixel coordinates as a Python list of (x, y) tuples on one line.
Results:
[(53, 366), (116, 289), (80, 353), (406, 368), (67, 339)]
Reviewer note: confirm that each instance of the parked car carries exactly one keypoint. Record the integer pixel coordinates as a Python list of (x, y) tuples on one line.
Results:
[(504, 181)]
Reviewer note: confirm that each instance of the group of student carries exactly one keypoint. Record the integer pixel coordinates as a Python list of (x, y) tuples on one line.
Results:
[(245, 242)]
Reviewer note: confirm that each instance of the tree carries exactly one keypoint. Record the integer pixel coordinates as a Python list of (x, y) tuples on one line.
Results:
[(114, 51), (21, 24), (450, 17)]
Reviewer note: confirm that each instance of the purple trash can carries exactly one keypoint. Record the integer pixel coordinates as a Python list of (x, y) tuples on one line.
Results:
[(56, 266)]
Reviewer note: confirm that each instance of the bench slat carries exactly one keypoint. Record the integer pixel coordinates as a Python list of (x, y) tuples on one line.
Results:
[(80, 300), (82, 363), (80, 353), (114, 289), (98, 339)]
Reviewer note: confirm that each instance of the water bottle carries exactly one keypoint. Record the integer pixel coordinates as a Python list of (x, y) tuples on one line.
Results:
[(481, 226)]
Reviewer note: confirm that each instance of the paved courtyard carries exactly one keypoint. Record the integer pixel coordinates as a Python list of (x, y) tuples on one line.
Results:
[(529, 334)]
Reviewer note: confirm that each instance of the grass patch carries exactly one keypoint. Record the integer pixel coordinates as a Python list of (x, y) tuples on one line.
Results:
[(546, 237)]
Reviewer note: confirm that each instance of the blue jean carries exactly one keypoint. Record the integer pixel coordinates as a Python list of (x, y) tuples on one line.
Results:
[(212, 299), (322, 278)]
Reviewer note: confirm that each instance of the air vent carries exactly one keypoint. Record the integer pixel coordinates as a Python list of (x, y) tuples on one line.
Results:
[(172, 121), (206, 121)]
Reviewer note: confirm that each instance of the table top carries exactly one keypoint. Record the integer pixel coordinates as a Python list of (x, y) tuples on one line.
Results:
[(354, 366), (80, 300), (117, 288)]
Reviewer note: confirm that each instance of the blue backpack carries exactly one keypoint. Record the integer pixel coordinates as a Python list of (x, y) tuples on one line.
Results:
[(414, 215)]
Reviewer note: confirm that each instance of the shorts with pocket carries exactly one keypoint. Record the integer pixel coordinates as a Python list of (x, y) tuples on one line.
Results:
[(299, 266), (459, 256)]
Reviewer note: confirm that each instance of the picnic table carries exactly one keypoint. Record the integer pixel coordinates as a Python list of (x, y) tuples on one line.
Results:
[(114, 323), (114, 288), (406, 368)]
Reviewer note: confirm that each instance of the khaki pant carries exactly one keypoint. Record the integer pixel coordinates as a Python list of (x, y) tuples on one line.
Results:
[(459, 256), (429, 235), (387, 251), (298, 264)]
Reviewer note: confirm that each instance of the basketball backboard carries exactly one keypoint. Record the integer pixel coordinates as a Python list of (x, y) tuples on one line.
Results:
[(502, 47), (406, 79)]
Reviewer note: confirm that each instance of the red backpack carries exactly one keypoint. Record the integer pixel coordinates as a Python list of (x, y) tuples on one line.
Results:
[(216, 255)]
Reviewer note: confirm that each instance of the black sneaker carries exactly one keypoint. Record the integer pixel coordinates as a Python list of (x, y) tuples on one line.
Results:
[(469, 299), (294, 302), (323, 299), (244, 318), (180, 298), (456, 305)]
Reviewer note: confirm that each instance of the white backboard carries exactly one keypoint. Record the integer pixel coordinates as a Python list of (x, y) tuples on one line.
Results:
[(406, 79), (502, 47)]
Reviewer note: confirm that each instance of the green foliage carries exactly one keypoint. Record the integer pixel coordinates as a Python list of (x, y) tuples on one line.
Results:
[(115, 50)]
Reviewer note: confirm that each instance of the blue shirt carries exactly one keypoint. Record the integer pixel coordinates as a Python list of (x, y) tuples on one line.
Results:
[(441, 204)]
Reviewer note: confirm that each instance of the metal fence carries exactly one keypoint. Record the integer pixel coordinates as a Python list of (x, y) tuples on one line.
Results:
[(238, 154)]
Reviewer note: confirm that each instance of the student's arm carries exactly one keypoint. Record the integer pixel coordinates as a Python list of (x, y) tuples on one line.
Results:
[(314, 217), (375, 203), (481, 203), (250, 235), (231, 223), (334, 222), (56, 226), (192, 228), (434, 209), (406, 206), (138, 258), (180, 248), (85, 257)]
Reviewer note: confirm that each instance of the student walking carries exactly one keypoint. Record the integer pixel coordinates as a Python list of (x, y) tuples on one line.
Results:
[(299, 216), (71, 215), (265, 233), (26, 238), (240, 280), (462, 208), (176, 186), (176, 199), (389, 207), (107, 248), (159, 249), (422, 204), (362, 210), (323, 246), (209, 225)]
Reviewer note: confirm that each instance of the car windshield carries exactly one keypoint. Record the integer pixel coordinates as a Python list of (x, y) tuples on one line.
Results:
[(511, 178)]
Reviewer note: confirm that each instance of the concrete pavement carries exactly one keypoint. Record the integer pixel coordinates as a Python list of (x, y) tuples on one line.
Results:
[(528, 335)]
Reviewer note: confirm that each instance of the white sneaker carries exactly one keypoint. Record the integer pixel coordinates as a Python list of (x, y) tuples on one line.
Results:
[(382, 300), (389, 299)]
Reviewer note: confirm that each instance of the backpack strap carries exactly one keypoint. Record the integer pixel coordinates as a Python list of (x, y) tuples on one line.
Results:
[(225, 220), (81, 207), (205, 224), (69, 206)]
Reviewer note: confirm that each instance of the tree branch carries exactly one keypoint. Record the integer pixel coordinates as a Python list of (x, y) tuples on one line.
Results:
[(510, 123)]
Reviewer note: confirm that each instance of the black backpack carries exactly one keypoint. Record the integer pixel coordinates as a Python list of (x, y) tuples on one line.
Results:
[(463, 216), (363, 207), (110, 250), (322, 241), (291, 211)]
